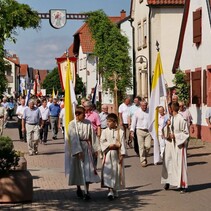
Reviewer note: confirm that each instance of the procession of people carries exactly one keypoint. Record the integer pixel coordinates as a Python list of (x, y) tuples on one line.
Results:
[(102, 137)]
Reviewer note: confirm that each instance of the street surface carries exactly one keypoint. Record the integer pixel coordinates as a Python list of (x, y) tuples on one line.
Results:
[(143, 189)]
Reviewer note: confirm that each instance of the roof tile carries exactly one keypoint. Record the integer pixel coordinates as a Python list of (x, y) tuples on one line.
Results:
[(168, 2), (23, 69)]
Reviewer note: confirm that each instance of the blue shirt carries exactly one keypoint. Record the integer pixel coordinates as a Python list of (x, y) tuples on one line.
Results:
[(32, 116), (54, 110)]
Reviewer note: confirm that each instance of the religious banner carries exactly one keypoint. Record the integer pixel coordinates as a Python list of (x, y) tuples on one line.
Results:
[(63, 67), (57, 18)]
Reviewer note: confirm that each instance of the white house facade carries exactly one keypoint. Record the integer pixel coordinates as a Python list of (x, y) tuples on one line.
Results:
[(155, 22), (12, 72), (194, 59)]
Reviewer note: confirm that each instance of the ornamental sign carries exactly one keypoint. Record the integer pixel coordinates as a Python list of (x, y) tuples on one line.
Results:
[(57, 18)]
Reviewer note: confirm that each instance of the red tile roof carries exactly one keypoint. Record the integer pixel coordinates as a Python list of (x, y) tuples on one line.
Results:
[(168, 2), (43, 74), (86, 41), (14, 59), (70, 52), (24, 69)]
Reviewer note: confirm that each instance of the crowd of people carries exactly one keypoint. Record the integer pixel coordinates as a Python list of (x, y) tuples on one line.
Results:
[(102, 136)]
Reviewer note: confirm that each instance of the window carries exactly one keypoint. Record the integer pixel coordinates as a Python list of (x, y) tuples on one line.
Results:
[(139, 36), (145, 33), (197, 31), (196, 88)]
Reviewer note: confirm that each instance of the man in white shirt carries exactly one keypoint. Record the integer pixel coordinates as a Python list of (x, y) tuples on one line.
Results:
[(132, 110), (45, 116), (5, 105), (140, 124), (19, 112), (103, 115), (50, 102), (3, 116), (61, 123), (123, 118)]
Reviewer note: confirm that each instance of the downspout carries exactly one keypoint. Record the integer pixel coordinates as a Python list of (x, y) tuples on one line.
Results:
[(134, 58)]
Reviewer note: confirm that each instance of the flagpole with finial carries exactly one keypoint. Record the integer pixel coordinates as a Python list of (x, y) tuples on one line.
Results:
[(157, 46)]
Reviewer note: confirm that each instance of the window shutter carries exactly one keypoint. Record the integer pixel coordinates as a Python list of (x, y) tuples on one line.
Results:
[(196, 88), (197, 26), (209, 87), (187, 80), (205, 87)]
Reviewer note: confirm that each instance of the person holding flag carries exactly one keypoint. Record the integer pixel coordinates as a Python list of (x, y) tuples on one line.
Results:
[(174, 171), (80, 142), (83, 145), (157, 94)]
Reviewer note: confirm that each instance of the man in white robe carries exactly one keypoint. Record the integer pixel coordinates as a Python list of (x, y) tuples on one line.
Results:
[(174, 170)]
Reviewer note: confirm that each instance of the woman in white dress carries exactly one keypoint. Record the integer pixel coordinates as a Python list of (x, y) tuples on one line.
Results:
[(113, 147)]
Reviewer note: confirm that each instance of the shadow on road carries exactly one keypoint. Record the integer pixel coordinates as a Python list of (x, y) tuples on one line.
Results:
[(198, 147), (199, 155), (199, 187), (12, 124), (197, 163)]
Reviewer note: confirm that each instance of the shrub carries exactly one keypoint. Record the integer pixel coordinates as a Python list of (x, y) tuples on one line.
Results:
[(8, 156)]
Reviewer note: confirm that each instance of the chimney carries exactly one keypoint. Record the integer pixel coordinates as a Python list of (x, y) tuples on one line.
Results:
[(123, 14)]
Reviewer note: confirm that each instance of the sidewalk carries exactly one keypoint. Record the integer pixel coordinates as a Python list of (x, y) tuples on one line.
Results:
[(143, 192)]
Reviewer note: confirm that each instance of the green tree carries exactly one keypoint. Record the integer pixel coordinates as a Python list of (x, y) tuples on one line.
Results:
[(182, 87), (12, 16), (112, 50), (52, 81), (79, 86)]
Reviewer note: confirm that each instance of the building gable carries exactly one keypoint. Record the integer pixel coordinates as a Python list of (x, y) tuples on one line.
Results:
[(196, 16)]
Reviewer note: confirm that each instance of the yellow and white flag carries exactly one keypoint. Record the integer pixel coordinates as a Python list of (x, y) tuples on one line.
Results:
[(69, 106), (158, 90)]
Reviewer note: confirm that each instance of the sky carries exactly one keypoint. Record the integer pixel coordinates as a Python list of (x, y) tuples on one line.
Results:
[(39, 48)]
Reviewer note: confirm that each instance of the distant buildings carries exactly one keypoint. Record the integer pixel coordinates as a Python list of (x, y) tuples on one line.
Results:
[(20, 76)]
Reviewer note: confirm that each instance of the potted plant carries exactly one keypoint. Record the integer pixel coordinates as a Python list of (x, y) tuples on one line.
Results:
[(16, 185)]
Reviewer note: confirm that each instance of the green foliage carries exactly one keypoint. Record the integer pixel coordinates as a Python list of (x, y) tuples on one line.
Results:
[(8, 157), (79, 86), (52, 81), (12, 16), (182, 87), (112, 50)]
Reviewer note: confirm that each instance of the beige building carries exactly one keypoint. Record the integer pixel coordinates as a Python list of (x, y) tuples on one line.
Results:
[(12, 72), (154, 21)]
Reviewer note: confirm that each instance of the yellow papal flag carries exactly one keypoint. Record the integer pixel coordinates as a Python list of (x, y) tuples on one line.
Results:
[(158, 90), (69, 106)]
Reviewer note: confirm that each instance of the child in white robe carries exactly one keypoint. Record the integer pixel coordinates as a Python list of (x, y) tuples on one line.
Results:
[(83, 146), (113, 148)]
